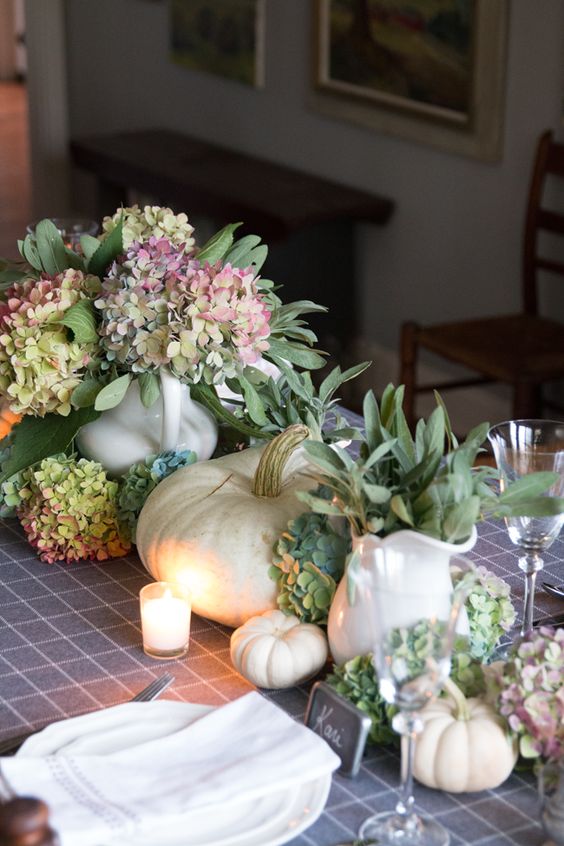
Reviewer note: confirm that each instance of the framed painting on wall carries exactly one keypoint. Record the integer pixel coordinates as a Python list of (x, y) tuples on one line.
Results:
[(223, 37), (429, 70)]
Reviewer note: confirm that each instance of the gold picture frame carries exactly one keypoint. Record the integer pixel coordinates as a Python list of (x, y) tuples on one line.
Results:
[(417, 73)]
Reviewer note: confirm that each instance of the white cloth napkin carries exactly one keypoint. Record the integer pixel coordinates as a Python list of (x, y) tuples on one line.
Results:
[(244, 750)]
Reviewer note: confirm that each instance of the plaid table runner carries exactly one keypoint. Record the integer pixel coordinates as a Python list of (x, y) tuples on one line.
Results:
[(70, 642)]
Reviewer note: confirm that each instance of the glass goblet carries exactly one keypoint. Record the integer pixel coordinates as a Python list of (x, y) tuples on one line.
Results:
[(412, 623), (521, 447)]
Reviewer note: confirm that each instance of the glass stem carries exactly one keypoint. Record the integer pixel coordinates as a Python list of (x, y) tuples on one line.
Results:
[(404, 806), (530, 564)]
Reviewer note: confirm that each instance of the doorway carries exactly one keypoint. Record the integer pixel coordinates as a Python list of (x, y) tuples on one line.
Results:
[(15, 171)]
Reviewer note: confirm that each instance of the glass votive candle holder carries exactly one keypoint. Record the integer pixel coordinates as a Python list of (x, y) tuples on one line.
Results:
[(71, 230), (165, 619)]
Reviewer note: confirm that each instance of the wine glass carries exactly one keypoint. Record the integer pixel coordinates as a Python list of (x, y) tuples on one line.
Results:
[(412, 623), (521, 447)]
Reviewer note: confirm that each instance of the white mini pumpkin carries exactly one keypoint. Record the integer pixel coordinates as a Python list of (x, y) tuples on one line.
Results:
[(277, 651), (464, 745), (212, 526)]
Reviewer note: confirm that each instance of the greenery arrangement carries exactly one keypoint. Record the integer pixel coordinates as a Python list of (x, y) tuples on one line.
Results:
[(404, 482)]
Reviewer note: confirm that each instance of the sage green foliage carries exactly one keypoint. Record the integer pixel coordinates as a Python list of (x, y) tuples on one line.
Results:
[(357, 681), (309, 560), (401, 482), (466, 671)]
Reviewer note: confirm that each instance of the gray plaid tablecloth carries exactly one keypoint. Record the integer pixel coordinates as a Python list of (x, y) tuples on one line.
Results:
[(70, 642)]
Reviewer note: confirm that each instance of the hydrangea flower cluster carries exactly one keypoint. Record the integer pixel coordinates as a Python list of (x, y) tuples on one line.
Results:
[(67, 508), (160, 307), (141, 224), (39, 363), (490, 612), (141, 479), (529, 693)]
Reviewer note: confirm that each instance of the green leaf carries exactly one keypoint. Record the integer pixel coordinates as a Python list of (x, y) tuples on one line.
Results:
[(253, 402), (399, 508), (219, 244), (149, 388), (296, 354), (377, 494), (29, 251), (107, 251), (329, 458), (527, 487), (85, 393), (207, 396), (35, 438), (112, 394), (74, 260), (379, 453), (8, 277), (80, 319), (542, 506), (50, 247), (258, 257), (460, 520), (239, 254), (317, 504), (89, 245)]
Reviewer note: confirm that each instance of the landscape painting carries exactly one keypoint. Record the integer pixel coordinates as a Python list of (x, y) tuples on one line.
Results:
[(223, 37), (416, 56)]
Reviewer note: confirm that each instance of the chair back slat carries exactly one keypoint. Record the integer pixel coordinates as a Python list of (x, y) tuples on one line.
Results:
[(549, 161)]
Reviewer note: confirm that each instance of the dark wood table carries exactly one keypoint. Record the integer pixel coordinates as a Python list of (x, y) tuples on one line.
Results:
[(307, 221)]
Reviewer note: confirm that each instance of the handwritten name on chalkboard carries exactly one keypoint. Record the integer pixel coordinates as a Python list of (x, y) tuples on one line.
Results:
[(340, 723)]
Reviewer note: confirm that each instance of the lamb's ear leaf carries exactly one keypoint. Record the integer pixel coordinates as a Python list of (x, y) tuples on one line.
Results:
[(35, 438), (149, 388)]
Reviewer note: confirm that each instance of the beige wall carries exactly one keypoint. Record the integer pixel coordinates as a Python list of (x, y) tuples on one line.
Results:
[(452, 248)]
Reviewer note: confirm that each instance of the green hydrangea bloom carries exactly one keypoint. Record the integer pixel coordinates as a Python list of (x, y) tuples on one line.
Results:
[(40, 361), (67, 508), (141, 479), (490, 612), (357, 681), (151, 221), (309, 559)]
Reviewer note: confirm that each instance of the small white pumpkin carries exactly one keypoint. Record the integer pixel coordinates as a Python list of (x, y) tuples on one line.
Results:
[(464, 745), (276, 650), (212, 526)]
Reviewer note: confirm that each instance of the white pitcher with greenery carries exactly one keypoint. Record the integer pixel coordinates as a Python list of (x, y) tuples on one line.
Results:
[(406, 492)]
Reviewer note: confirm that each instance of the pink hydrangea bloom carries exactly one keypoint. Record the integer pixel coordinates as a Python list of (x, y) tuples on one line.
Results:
[(160, 307)]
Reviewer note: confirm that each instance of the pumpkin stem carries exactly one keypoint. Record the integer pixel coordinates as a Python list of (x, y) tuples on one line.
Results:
[(462, 712), (268, 475)]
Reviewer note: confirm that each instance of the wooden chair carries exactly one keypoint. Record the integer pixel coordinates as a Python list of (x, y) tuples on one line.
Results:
[(523, 350)]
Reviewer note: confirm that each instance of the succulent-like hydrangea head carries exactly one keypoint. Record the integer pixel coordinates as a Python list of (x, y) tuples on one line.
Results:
[(151, 221), (528, 691), (357, 681), (490, 612), (159, 307), (68, 510), (309, 559), (141, 479), (40, 363)]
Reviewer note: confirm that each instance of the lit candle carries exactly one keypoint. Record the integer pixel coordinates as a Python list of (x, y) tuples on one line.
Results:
[(165, 619)]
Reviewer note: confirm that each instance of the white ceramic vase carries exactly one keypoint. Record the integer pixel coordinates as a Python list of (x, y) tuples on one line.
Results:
[(129, 432), (349, 629)]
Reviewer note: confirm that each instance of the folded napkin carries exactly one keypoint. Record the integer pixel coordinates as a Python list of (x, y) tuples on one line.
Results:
[(243, 751)]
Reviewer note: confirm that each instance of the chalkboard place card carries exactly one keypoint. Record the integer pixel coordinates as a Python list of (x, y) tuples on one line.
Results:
[(344, 726)]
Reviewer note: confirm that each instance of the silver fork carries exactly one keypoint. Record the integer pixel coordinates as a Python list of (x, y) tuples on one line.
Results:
[(148, 693)]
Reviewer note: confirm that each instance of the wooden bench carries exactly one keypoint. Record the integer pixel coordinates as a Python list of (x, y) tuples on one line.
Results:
[(307, 221)]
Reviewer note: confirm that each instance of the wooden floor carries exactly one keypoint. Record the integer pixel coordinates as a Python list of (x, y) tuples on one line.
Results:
[(15, 180)]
